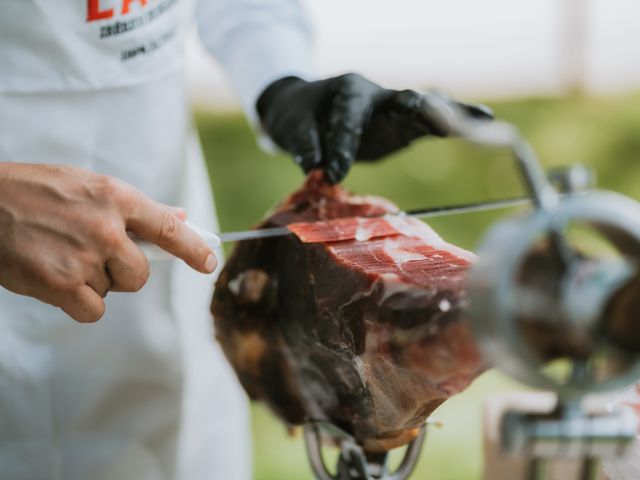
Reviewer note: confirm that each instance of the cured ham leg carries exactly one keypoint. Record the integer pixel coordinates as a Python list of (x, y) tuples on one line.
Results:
[(356, 319)]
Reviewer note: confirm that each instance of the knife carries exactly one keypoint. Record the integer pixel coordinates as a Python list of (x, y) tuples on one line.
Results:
[(214, 240)]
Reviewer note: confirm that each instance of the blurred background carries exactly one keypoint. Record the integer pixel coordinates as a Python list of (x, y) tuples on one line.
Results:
[(566, 72)]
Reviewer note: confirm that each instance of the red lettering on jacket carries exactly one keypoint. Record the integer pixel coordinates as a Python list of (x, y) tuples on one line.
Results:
[(94, 13), (126, 4)]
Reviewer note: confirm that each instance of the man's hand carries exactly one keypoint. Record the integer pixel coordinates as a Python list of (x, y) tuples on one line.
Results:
[(331, 123), (63, 236)]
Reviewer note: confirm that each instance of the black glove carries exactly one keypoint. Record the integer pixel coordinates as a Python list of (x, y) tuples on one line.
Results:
[(330, 123)]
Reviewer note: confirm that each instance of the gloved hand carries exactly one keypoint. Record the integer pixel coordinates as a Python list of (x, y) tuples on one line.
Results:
[(331, 123)]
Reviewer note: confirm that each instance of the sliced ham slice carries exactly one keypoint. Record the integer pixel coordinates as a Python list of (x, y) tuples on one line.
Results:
[(357, 319), (341, 229)]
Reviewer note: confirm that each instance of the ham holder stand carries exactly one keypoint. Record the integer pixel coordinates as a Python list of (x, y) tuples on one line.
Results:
[(552, 300)]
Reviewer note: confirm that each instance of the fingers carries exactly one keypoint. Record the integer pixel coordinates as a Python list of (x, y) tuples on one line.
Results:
[(299, 136), (83, 305), (306, 148), (158, 224), (351, 106), (290, 125), (100, 281), (129, 269)]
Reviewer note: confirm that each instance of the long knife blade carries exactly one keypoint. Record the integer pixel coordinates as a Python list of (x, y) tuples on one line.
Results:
[(430, 212), (154, 252), (253, 234)]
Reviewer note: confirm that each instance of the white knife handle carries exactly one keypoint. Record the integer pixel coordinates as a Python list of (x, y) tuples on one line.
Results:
[(153, 252)]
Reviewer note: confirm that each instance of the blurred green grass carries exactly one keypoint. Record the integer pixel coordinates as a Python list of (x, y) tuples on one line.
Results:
[(603, 133)]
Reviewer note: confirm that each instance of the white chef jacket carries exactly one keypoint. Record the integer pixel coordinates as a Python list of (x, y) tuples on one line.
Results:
[(145, 392)]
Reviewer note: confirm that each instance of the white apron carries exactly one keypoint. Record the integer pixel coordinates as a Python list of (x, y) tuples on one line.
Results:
[(144, 393)]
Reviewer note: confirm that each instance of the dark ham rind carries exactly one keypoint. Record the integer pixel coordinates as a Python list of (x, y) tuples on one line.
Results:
[(367, 334)]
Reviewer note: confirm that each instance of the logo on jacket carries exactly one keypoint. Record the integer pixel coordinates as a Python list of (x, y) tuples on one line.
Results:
[(126, 22), (96, 11)]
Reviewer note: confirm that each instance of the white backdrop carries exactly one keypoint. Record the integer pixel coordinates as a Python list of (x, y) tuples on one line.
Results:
[(470, 48)]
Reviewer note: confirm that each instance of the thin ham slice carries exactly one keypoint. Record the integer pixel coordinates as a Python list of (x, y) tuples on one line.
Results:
[(357, 319), (341, 229)]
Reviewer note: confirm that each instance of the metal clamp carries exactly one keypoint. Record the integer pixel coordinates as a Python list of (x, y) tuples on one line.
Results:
[(354, 463)]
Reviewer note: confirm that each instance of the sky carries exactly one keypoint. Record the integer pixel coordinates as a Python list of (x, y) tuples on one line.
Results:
[(476, 49)]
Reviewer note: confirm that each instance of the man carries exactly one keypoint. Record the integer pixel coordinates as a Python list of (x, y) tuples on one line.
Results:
[(96, 144)]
